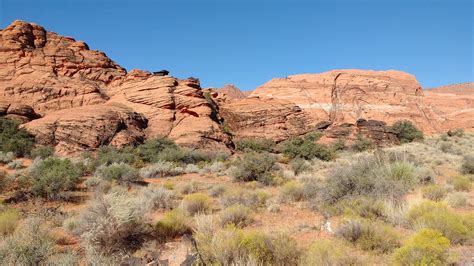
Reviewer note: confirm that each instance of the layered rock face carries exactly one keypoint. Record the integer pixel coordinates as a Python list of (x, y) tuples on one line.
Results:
[(80, 99), (344, 96)]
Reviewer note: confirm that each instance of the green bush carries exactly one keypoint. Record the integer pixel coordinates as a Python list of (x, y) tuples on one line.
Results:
[(175, 223), (327, 252), (8, 221), (406, 131), (237, 215), (362, 144), (254, 167), (120, 172), (437, 216), (14, 139), (427, 247), (42, 151), (196, 203), (51, 177), (461, 183), (467, 166), (107, 155), (150, 149), (306, 148), (339, 145), (254, 144), (434, 192)]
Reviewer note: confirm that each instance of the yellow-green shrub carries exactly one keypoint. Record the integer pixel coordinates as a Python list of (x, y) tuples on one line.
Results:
[(427, 247), (429, 214), (8, 221), (173, 224), (236, 215), (196, 203), (292, 191), (461, 183)]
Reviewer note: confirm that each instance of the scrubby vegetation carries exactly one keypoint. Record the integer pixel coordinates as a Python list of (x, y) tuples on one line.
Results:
[(14, 139), (298, 202), (406, 131)]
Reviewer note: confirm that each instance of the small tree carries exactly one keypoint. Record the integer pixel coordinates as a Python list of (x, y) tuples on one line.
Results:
[(254, 167), (406, 131), (14, 139)]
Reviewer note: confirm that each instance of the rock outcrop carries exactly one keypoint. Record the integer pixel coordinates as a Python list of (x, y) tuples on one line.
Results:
[(264, 118), (54, 79), (345, 96)]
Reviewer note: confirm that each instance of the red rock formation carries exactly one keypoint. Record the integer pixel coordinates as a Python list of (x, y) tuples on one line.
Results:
[(344, 96), (42, 73)]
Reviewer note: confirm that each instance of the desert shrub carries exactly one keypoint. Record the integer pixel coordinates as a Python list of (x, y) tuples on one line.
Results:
[(369, 236), (236, 215), (217, 168), (156, 198), (339, 145), (292, 191), (254, 144), (67, 257), (191, 168), (327, 252), (161, 169), (249, 198), (15, 164), (151, 149), (306, 148), (6, 157), (365, 207), (299, 165), (4, 181), (406, 131), (71, 224), (461, 183), (187, 188), (467, 166), (51, 177), (8, 221), (434, 192), (254, 167), (427, 247), (217, 190), (378, 176), (183, 155), (437, 216), (113, 224), (42, 152), (174, 223), (457, 199), (458, 132), (30, 244), (120, 172), (362, 144), (14, 139), (196, 203)]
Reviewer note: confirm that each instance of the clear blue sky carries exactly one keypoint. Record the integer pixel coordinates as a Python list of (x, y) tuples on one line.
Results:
[(249, 42)]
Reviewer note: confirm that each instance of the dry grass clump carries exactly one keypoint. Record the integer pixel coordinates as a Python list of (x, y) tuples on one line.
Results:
[(187, 188), (328, 252), (292, 191), (249, 198), (113, 224), (217, 190), (161, 169), (30, 244), (237, 215), (231, 246), (460, 183), (457, 199), (196, 203), (434, 192)]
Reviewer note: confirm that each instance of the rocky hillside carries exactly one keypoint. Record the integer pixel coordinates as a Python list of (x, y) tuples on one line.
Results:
[(78, 99), (458, 89)]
